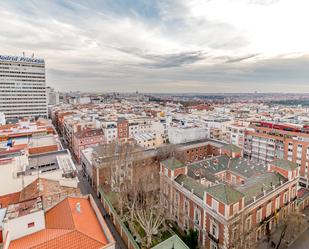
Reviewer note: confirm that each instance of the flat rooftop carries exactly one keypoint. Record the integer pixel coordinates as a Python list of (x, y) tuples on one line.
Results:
[(198, 143), (50, 161), (41, 141)]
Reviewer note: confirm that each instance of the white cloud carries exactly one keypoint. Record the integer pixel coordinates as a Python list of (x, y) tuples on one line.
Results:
[(126, 47)]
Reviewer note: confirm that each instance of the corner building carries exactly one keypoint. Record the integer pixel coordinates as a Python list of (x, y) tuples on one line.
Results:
[(22, 87), (227, 213)]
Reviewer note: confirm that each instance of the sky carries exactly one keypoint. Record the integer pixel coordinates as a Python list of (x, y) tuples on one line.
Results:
[(163, 46)]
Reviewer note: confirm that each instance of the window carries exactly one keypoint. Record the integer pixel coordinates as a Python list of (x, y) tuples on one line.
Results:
[(293, 194), (176, 200), (258, 234), (186, 225), (285, 197), (277, 206), (259, 215), (214, 229), (214, 205), (248, 223), (235, 208), (268, 209), (235, 232), (197, 216), (213, 245), (186, 207), (31, 224)]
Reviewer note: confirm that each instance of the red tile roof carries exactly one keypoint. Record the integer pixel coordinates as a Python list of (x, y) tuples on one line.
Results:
[(66, 228)]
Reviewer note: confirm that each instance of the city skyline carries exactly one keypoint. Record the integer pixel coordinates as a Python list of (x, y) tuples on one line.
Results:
[(163, 46)]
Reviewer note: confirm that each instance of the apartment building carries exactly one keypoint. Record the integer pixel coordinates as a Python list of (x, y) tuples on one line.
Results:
[(139, 125), (122, 128), (52, 96), (183, 133), (235, 134), (112, 163), (231, 202), (22, 87), (110, 130), (85, 139), (73, 124), (265, 142)]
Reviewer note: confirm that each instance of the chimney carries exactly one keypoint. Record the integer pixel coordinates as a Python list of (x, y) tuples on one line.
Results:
[(78, 207)]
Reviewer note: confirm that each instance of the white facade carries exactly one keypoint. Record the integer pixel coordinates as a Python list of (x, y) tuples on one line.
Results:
[(178, 135), (22, 87), (18, 227), (86, 161), (12, 180), (52, 96), (235, 135), (110, 131), (2, 118)]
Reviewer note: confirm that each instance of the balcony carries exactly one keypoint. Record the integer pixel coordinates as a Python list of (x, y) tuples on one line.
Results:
[(213, 238)]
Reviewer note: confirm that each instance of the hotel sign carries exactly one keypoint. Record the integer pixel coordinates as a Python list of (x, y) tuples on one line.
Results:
[(20, 59)]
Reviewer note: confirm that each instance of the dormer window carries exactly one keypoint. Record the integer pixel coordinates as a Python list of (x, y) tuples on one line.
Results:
[(215, 205), (236, 208)]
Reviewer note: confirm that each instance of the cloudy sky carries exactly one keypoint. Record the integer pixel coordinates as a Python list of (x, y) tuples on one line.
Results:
[(163, 45)]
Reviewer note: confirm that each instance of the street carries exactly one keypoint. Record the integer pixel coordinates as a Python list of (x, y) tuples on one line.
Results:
[(86, 189)]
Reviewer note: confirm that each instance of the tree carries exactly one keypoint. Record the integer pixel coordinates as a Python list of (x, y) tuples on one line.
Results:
[(191, 239), (168, 151), (118, 160), (149, 214)]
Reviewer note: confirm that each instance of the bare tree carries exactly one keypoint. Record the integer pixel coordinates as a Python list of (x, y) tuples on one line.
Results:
[(118, 158), (170, 150), (133, 196), (149, 215)]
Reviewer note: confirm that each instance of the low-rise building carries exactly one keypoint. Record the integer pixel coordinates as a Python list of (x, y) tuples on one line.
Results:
[(85, 139), (66, 225), (21, 170)]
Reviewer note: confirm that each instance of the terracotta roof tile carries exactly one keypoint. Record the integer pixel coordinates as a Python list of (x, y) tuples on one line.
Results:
[(86, 217), (66, 228), (60, 216), (70, 240), (37, 238)]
